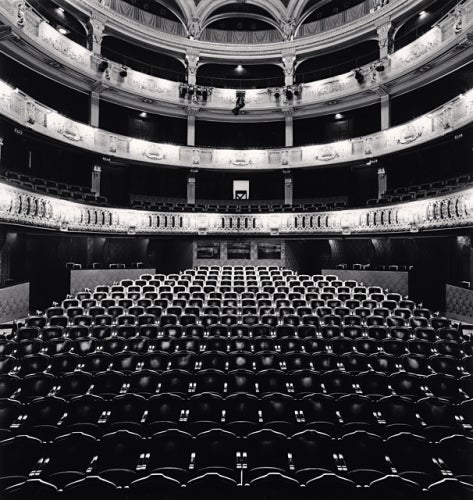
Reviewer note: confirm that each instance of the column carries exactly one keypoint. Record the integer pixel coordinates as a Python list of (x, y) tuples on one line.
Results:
[(95, 181), (385, 102), (289, 126), (385, 33), (289, 66), (385, 112), (288, 188), (382, 182), (192, 60), (96, 35), (1, 146), (191, 114), (191, 179), (94, 108)]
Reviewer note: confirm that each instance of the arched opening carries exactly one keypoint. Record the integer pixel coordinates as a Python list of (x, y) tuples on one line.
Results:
[(237, 75), (337, 63), (142, 59)]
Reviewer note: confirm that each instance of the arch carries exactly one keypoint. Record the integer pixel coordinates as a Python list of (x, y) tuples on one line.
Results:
[(275, 9), (228, 15)]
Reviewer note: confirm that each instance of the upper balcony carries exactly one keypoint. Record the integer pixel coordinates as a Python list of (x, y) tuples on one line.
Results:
[(28, 113), (444, 48)]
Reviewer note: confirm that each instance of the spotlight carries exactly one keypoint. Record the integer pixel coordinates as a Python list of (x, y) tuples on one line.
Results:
[(144, 114), (422, 13), (123, 72), (190, 91), (289, 94), (240, 103), (239, 68), (338, 116), (103, 66), (63, 30), (359, 77), (379, 67), (277, 95), (205, 95), (182, 91)]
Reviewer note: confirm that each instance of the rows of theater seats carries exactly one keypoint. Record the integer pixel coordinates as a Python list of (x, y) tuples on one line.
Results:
[(251, 382), (53, 188), (425, 190), (233, 208)]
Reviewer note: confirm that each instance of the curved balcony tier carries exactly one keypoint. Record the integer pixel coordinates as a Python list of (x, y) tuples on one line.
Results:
[(448, 211), (27, 112), (323, 36), (441, 50)]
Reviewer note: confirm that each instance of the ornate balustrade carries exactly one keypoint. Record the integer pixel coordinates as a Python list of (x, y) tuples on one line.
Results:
[(450, 31), (449, 211), (31, 114)]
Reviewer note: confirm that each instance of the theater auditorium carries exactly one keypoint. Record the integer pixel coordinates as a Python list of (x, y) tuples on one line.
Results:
[(236, 253)]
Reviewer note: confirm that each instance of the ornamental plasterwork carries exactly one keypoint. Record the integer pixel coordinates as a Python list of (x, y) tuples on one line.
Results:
[(154, 154), (167, 90), (31, 114), (32, 209), (410, 134)]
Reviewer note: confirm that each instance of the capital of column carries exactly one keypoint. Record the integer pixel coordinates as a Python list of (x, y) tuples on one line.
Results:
[(97, 169), (289, 65), (98, 27), (385, 32), (194, 28), (288, 27), (192, 60), (288, 112), (192, 111)]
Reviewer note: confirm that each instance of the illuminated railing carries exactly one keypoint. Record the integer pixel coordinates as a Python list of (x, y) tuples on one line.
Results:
[(451, 30), (31, 114), (18, 206)]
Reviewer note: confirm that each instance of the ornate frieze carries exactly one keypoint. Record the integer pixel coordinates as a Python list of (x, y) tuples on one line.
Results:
[(31, 114), (450, 210)]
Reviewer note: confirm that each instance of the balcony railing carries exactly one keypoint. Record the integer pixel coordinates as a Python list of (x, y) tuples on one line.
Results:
[(449, 211), (31, 114)]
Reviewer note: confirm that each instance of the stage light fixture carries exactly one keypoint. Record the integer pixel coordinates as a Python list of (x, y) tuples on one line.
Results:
[(103, 66), (289, 94), (359, 77)]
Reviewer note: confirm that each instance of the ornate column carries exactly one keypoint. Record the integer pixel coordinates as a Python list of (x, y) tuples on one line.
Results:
[(191, 180), (192, 59), (382, 182), (385, 33), (96, 35), (191, 114), (289, 66), (95, 181), (289, 126), (288, 188)]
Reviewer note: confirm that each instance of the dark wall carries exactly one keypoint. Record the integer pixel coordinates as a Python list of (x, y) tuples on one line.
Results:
[(41, 257), (324, 129), (239, 135)]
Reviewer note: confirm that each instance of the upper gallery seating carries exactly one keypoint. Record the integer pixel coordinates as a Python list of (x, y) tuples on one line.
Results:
[(408, 193), (53, 188), (235, 382), (220, 207)]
